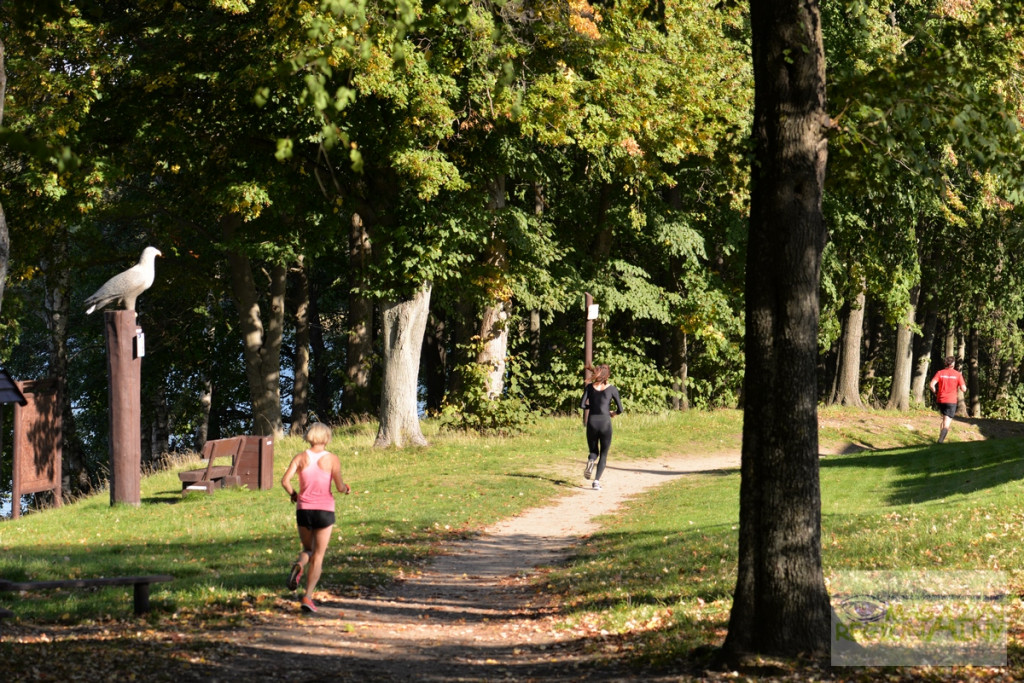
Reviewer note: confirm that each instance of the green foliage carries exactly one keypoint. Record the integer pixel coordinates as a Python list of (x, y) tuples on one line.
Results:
[(474, 410)]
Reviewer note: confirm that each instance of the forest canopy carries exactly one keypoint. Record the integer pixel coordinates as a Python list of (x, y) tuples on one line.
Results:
[(325, 179)]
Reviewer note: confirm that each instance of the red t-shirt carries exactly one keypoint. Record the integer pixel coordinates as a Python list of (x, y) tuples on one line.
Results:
[(948, 381)]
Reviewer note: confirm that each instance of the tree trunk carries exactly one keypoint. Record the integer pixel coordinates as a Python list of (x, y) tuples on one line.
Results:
[(950, 346), (780, 605), (5, 238), (493, 327), (923, 354), (435, 364), (403, 324), (357, 399), (300, 384), (206, 404), (75, 479), (679, 368), (261, 347), (899, 393), (973, 398), (322, 390), (847, 391)]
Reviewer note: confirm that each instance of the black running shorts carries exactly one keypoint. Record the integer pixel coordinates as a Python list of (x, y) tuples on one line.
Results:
[(314, 519)]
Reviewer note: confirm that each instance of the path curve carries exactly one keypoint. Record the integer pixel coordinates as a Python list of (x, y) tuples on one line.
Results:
[(473, 613)]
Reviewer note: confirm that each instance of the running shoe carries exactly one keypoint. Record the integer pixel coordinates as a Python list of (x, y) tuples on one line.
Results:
[(589, 469), (293, 578), (307, 604), (596, 486)]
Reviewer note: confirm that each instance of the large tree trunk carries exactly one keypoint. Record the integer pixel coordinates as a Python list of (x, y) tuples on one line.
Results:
[(300, 384), (261, 347), (494, 317), (75, 479), (5, 239), (847, 391), (404, 323), (923, 354), (780, 605), (357, 400), (899, 392)]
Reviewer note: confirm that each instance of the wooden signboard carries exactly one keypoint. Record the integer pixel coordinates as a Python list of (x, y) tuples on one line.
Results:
[(37, 442)]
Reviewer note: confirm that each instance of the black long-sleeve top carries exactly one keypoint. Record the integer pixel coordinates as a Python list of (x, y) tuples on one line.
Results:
[(598, 401)]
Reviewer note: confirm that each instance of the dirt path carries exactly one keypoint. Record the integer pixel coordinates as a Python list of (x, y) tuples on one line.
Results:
[(473, 614)]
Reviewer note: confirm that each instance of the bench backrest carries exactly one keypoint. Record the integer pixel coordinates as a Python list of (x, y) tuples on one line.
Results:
[(220, 448)]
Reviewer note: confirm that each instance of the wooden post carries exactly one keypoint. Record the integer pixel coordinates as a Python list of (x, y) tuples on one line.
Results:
[(588, 337), (125, 366)]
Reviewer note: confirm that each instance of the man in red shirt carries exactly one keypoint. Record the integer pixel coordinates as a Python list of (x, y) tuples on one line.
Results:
[(947, 385)]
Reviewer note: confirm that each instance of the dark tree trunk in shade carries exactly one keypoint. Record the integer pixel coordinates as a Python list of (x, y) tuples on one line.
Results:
[(358, 398), (300, 383), (780, 605), (973, 374)]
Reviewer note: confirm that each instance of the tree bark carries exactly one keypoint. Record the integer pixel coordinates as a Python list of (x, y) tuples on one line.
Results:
[(679, 369), (300, 383), (973, 398), (493, 327), (435, 363), (404, 323), (75, 476), (780, 605), (261, 347), (923, 356), (5, 239), (847, 392), (899, 391), (357, 399), (322, 388)]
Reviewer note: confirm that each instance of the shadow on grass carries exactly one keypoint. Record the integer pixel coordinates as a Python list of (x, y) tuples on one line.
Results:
[(927, 473)]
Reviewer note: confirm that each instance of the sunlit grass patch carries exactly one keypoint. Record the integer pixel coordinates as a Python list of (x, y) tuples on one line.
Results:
[(658, 579)]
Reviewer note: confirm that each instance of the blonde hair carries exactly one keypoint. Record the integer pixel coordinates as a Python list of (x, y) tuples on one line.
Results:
[(318, 434)]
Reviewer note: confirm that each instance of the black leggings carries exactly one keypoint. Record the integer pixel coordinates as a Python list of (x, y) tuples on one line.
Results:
[(599, 440)]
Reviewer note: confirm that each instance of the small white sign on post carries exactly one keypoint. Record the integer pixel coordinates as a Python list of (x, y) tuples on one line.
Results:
[(592, 312), (140, 343)]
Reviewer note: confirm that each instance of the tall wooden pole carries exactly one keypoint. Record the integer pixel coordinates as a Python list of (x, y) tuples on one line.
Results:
[(588, 338), (125, 365)]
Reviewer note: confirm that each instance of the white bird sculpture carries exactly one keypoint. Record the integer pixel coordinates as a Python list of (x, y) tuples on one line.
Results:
[(128, 285)]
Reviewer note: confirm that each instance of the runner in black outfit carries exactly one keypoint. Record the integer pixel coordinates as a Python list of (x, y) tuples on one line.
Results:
[(597, 417)]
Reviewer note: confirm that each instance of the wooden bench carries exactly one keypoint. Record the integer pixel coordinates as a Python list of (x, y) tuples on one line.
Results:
[(140, 583), (215, 476)]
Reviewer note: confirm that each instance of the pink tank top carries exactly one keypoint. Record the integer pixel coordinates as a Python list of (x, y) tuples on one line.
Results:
[(315, 485)]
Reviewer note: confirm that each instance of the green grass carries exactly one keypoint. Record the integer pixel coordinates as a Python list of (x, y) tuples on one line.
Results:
[(657, 580), (661, 573), (231, 550)]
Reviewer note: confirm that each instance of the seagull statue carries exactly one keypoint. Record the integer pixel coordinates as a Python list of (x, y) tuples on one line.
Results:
[(128, 285)]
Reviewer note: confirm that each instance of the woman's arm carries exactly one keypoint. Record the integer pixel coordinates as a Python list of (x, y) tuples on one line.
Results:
[(339, 484), (286, 480)]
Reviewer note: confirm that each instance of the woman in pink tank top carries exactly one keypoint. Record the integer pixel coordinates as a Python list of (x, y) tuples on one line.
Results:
[(314, 507)]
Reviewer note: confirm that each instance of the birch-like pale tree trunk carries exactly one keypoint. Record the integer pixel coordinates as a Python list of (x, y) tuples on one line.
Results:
[(404, 323), (494, 317)]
